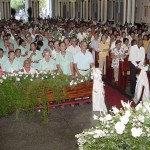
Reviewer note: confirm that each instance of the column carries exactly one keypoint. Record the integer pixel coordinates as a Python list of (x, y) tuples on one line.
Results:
[(98, 12), (102, 8), (35, 10), (89, 8), (133, 12), (60, 9), (5, 6), (124, 12), (128, 11), (105, 11), (83, 15), (38, 9), (69, 10)]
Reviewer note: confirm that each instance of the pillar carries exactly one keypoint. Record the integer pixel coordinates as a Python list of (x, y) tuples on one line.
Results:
[(102, 8), (99, 9), (124, 11), (128, 11), (133, 12), (105, 11)]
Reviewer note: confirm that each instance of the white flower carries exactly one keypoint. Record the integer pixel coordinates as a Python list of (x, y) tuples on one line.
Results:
[(99, 133), (53, 77), (101, 119), (1, 80), (136, 132), (124, 119), (71, 83), (82, 80), (120, 127), (141, 118), (75, 83), (126, 105), (128, 113), (108, 117), (17, 79), (31, 79), (4, 77), (42, 78), (138, 107), (115, 110), (95, 117)]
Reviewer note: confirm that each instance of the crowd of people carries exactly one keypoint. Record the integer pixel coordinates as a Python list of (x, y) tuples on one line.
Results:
[(63, 45)]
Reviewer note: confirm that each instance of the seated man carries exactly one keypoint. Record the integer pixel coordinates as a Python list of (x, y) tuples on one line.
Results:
[(18, 57), (3, 57), (73, 48), (11, 65), (83, 60), (47, 63), (27, 69)]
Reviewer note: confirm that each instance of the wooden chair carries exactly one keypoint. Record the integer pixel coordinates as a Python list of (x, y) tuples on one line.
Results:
[(124, 77), (109, 69)]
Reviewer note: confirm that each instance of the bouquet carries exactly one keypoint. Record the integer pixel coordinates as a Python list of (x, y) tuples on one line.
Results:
[(124, 129)]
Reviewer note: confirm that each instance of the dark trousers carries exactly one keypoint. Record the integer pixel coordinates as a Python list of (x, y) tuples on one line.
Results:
[(132, 78)]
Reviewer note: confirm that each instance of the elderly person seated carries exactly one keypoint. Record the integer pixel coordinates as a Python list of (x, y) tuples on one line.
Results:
[(27, 69), (11, 65), (47, 63)]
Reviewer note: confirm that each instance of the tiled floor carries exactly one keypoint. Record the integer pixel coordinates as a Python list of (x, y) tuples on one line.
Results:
[(58, 134)]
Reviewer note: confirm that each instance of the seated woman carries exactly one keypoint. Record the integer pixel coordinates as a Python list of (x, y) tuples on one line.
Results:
[(117, 54), (11, 66), (47, 63), (64, 60), (27, 69), (34, 55)]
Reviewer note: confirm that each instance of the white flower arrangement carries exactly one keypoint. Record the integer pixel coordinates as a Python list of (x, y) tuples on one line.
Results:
[(72, 34), (43, 75), (127, 128)]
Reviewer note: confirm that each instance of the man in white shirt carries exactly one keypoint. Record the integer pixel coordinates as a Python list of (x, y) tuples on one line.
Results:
[(137, 58), (83, 60), (73, 48)]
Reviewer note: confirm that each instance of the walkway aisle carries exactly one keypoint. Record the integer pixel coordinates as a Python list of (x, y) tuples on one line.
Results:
[(58, 134)]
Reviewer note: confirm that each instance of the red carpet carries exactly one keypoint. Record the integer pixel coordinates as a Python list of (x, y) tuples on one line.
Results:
[(114, 97)]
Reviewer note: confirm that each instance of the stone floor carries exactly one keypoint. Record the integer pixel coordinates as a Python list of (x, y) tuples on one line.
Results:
[(58, 134)]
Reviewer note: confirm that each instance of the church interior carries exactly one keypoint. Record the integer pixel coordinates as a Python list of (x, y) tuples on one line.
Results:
[(74, 74)]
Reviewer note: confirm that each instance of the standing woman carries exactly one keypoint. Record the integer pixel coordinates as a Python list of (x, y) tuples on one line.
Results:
[(64, 60), (104, 48), (117, 54)]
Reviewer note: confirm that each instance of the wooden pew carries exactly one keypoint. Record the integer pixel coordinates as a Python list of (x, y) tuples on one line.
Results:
[(123, 78)]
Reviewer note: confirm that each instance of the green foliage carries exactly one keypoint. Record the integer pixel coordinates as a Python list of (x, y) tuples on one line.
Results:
[(23, 92), (43, 4), (17, 4)]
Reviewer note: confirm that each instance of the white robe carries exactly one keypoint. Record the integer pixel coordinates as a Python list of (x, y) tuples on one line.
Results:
[(142, 81), (98, 91)]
